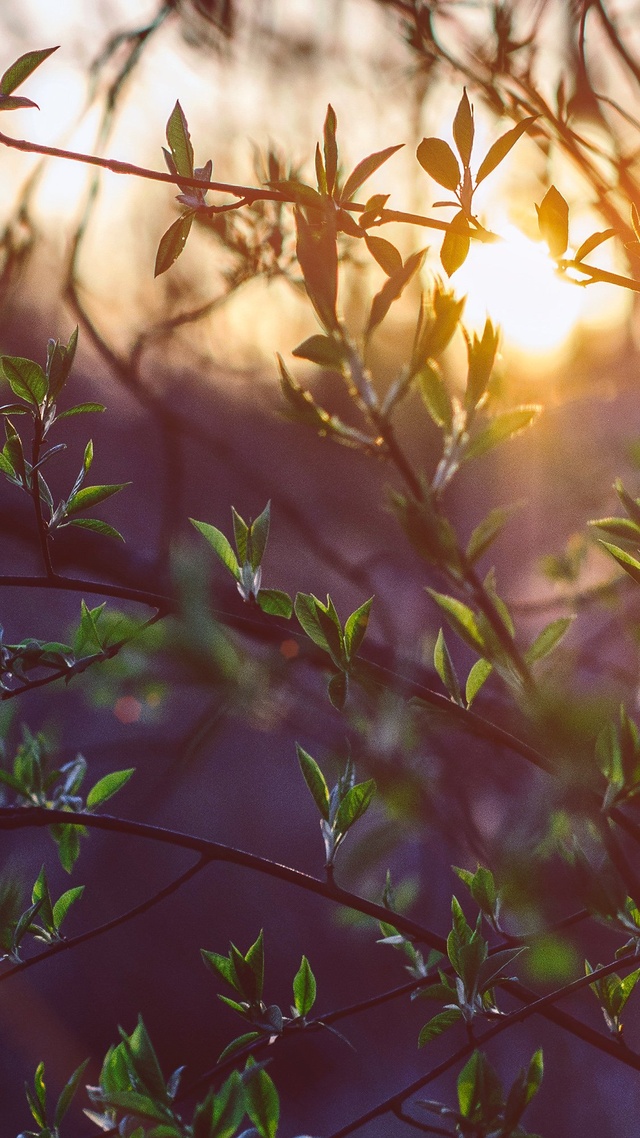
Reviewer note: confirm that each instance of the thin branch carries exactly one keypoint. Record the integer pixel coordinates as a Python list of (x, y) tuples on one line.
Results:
[(247, 195), (16, 818), (114, 923)]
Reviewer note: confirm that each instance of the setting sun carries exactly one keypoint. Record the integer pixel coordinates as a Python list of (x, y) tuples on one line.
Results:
[(515, 283)]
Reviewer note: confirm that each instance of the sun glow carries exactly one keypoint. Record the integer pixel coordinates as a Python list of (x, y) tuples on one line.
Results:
[(514, 282)]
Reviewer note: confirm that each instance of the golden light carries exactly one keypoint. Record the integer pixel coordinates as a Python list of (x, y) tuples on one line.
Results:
[(514, 282)]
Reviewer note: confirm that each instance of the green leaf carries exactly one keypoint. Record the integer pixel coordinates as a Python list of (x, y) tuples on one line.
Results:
[(304, 988), (255, 959), (365, 169), (315, 781), (456, 244), (553, 221), (384, 253), (463, 129), (67, 839), (141, 1054), (220, 966), (624, 528), (237, 1044), (81, 409), (180, 142), (439, 1024), (97, 526), (262, 1103), (437, 158), (356, 627), (488, 530), (40, 894), (493, 968), (306, 610), (501, 148), (546, 641), (326, 351), (241, 534), (628, 563), (259, 534), (25, 378), (461, 619), (68, 1092), (435, 395), (467, 1084), (22, 68), (275, 602), (136, 1103), (354, 804), (504, 426), (445, 669), (91, 496), (392, 289), (64, 903), (172, 243), (220, 546), (108, 786)]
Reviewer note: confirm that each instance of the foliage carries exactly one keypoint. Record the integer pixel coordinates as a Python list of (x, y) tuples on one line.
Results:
[(586, 832)]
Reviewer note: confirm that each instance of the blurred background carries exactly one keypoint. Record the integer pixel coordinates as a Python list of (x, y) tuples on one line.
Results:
[(195, 420)]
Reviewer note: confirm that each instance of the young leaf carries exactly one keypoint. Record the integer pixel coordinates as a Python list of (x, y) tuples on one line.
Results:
[(81, 409), (172, 243), (437, 158), (306, 610), (445, 669), (504, 426), (392, 289), (68, 1093), (275, 602), (97, 526), (546, 641), (26, 378), (64, 903), (501, 148), (365, 169), (355, 803), (553, 221), (440, 1023), (488, 530), (463, 129), (593, 242), (384, 253), (262, 1102), (356, 627), (461, 619), (630, 564), (259, 536), (220, 546), (180, 142), (22, 68), (108, 786), (456, 244), (317, 254), (478, 675), (315, 781), (330, 149), (304, 988), (326, 351)]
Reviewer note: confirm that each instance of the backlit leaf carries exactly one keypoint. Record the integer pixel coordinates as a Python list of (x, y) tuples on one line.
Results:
[(501, 148), (437, 158)]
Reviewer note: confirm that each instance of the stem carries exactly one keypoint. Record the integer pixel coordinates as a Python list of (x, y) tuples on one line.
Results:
[(43, 535), (16, 818)]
